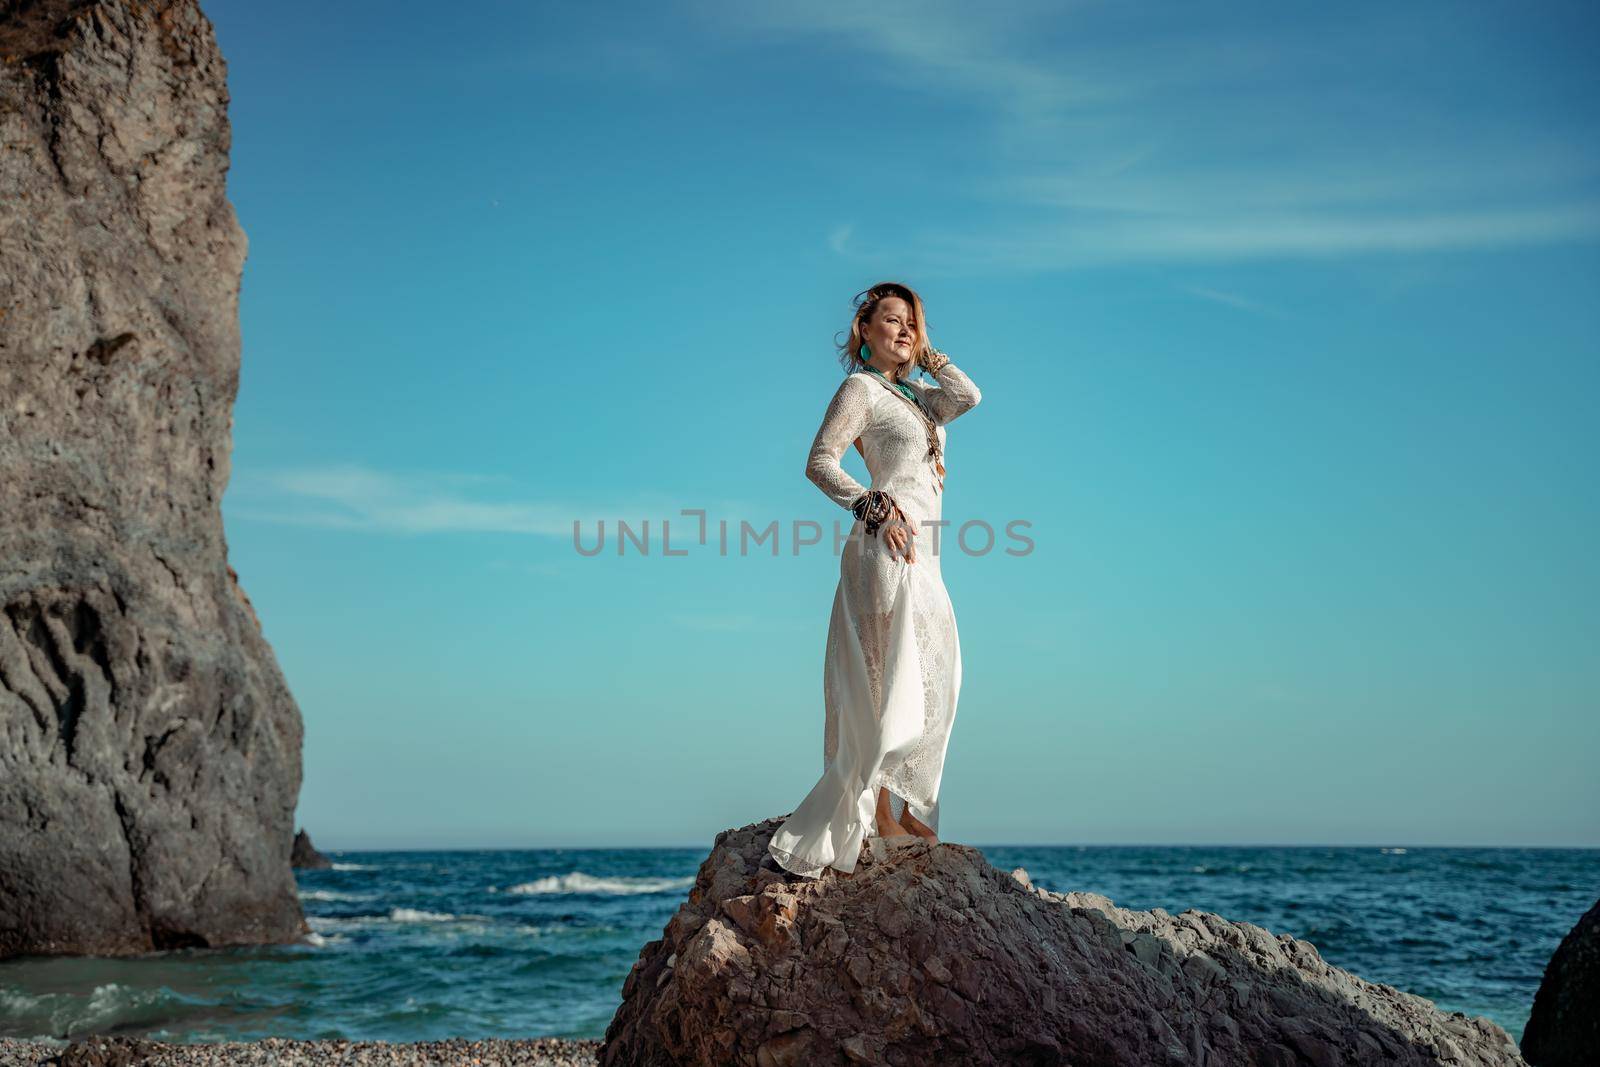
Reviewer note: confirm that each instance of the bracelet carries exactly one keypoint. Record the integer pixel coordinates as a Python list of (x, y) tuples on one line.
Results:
[(873, 508), (934, 361)]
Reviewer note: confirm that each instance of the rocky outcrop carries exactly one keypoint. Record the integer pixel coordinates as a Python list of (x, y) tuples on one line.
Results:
[(151, 754), (926, 954), (305, 854), (1564, 1029)]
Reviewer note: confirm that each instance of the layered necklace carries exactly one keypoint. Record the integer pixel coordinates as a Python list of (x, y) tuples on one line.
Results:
[(935, 452)]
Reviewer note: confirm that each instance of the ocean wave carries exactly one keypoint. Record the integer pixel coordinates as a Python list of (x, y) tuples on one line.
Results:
[(73, 1013), (333, 894), (578, 882), (352, 867), (109, 1000), (15, 1001), (418, 915), (320, 940), (329, 924)]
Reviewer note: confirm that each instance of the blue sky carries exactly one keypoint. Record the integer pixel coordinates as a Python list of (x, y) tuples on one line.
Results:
[(1285, 322)]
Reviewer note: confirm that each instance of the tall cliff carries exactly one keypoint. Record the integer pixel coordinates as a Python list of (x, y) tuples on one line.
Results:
[(150, 758)]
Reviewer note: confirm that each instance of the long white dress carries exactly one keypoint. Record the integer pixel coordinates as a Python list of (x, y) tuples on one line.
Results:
[(892, 669)]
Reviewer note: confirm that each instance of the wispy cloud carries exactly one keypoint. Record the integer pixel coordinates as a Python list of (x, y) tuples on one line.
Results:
[(1117, 139), (353, 496), (943, 47), (1232, 300), (1067, 244)]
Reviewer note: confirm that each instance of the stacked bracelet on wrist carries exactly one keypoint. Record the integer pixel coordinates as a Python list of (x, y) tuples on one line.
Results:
[(873, 508), (934, 361)]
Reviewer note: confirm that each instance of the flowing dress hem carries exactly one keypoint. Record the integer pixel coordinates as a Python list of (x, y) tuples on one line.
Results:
[(810, 863)]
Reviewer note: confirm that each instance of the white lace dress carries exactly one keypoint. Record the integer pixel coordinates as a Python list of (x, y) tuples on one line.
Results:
[(892, 669)]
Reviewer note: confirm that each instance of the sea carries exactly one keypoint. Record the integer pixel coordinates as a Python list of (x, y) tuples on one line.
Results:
[(413, 946)]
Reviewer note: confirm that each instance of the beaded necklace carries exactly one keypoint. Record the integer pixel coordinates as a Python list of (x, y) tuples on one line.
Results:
[(900, 387), (935, 452)]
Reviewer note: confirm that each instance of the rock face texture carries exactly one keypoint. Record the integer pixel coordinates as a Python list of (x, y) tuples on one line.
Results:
[(928, 955), (1564, 1029), (305, 854), (150, 760)]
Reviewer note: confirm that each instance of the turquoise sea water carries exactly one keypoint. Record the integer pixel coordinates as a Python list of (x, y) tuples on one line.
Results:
[(417, 946)]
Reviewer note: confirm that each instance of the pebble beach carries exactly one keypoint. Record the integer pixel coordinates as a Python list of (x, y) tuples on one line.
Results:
[(283, 1052)]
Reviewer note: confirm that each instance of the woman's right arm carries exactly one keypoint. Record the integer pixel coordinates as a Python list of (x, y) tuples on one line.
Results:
[(955, 393), (846, 418)]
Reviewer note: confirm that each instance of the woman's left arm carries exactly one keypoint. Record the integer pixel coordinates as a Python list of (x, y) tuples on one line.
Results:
[(955, 395)]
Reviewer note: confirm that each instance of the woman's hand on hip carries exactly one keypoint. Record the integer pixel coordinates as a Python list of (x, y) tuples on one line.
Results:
[(899, 534)]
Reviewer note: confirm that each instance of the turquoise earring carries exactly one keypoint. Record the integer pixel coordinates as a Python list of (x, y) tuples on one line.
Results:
[(865, 353)]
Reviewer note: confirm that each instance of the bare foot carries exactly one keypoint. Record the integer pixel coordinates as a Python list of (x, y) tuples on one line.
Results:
[(913, 824), (889, 829)]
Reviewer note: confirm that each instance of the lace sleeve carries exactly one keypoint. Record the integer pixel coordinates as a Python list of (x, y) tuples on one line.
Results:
[(846, 418), (954, 395)]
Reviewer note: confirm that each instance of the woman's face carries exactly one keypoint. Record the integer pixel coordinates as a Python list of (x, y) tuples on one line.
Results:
[(891, 333)]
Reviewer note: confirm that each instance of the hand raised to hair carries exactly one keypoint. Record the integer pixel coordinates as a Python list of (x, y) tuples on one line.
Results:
[(931, 359)]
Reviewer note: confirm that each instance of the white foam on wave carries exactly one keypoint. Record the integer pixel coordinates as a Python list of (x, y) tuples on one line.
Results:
[(330, 926), (105, 1002), (417, 915), (351, 867), (15, 1001), (108, 1004), (333, 894), (64, 1011), (578, 882)]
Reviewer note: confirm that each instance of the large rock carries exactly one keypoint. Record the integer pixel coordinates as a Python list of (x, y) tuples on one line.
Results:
[(928, 955), (305, 855), (150, 761), (1564, 1029)]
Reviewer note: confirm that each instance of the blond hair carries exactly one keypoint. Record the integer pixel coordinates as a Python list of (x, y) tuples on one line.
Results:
[(866, 303)]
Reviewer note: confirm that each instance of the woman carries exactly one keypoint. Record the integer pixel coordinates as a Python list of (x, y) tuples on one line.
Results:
[(892, 670)]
